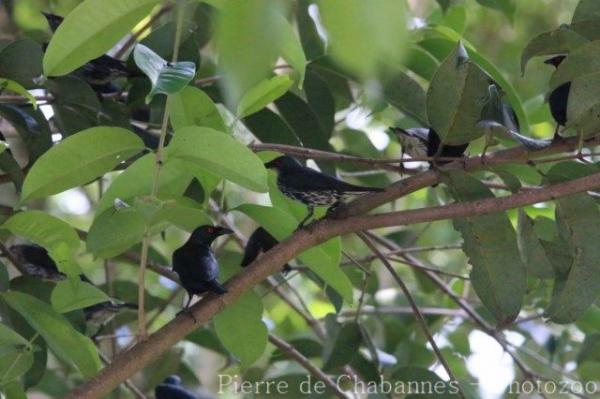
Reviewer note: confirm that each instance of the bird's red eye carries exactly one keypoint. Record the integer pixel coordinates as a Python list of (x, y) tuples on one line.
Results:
[(210, 230)]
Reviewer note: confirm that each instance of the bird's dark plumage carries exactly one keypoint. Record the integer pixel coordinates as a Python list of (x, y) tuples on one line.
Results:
[(260, 241), (311, 187), (559, 97), (424, 142), (172, 388), (100, 71), (38, 263), (196, 264)]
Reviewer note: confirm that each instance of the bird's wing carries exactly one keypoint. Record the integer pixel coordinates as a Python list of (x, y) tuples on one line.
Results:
[(311, 180)]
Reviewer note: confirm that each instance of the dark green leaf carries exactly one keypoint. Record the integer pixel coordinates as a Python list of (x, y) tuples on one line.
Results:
[(532, 252), (10, 85), (311, 41), (508, 7), (407, 96), (268, 127), (337, 351), (291, 49), (454, 99), (490, 242), (31, 126), (21, 61)]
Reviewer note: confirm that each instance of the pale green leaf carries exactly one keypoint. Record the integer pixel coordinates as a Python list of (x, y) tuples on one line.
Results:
[(262, 95), (219, 154), (74, 294), (193, 107), (362, 36), (115, 231), (247, 343), (90, 30), (291, 49), (78, 159), (66, 342), (6, 84)]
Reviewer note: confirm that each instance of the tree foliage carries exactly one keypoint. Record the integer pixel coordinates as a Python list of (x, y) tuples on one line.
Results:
[(133, 122)]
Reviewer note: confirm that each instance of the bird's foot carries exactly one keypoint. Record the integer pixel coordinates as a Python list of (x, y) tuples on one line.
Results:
[(338, 210), (187, 312)]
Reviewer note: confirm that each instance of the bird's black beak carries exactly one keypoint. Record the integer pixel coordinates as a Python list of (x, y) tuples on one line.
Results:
[(222, 231)]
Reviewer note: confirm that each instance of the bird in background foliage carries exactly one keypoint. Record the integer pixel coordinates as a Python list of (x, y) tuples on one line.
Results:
[(100, 71), (420, 142), (311, 187), (559, 97), (196, 265), (260, 241), (36, 262), (173, 388)]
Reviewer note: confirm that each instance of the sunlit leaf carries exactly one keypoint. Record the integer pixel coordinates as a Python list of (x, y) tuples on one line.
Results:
[(263, 94), (193, 107)]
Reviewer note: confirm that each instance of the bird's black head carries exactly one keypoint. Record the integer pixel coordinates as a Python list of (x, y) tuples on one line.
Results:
[(555, 61), (54, 20), (283, 163), (207, 234), (173, 380)]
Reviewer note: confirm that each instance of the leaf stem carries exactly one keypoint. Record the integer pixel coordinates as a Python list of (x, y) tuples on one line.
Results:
[(158, 165)]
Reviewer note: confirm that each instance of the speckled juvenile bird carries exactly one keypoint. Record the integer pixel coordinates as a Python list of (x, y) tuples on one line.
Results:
[(419, 142), (559, 97), (195, 262), (311, 187), (260, 241)]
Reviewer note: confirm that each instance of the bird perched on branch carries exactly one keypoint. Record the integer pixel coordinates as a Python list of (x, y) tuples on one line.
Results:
[(559, 97), (37, 263), (311, 187), (259, 242), (100, 71), (172, 388), (422, 142), (196, 265)]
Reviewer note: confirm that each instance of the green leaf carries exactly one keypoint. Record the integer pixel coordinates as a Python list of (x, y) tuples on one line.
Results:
[(4, 278), (364, 38), (61, 337), (291, 49), (269, 127), (115, 231), (323, 260), (247, 343), (577, 216), (136, 181), (508, 7), (185, 216), (240, 27), (586, 10), (215, 151), (58, 237), (10, 337), (75, 294), (408, 96), (90, 30), (6, 84), (491, 69), (532, 251), (454, 98), (559, 41), (79, 159), (21, 61), (14, 390), (498, 275), (14, 362), (336, 352), (582, 62), (262, 95), (193, 107), (166, 77)]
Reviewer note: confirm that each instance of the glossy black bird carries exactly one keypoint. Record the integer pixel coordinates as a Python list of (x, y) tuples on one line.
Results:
[(196, 264), (172, 388), (37, 263), (559, 97), (422, 142), (311, 187), (259, 242), (100, 71)]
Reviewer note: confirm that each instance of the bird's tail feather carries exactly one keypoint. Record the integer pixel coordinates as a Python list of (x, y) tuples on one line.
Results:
[(217, 288)]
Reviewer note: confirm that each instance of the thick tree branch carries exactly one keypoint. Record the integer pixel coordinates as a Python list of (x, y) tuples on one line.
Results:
[(129, 362)]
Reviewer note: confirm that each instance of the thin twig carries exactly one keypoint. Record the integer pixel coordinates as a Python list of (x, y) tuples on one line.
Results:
[(413, 305), (293, 353)]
